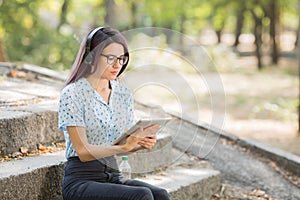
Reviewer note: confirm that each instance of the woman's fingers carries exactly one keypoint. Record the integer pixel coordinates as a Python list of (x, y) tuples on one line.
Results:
[(148, 142), (144, 137)]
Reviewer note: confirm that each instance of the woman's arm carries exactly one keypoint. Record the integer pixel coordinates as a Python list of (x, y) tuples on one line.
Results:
[(135, 149), (87, 152)]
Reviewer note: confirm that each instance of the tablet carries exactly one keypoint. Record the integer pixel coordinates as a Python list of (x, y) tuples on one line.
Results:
[(142, 123)]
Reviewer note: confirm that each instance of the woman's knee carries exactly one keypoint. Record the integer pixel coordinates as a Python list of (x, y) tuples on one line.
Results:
[(144, 194), (161, 194)]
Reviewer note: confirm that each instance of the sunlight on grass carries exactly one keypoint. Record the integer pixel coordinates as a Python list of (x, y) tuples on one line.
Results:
[(260, 105)]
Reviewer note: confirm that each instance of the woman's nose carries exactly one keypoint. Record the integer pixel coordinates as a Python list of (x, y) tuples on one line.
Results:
[(117, 64)]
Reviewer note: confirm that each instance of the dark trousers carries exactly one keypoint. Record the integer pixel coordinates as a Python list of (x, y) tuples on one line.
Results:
[(101, 180)]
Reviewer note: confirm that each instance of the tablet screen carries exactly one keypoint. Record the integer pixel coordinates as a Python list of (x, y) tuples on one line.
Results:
[(142, 123)]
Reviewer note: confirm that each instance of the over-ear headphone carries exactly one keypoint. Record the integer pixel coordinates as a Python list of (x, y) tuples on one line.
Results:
[(89, 55)]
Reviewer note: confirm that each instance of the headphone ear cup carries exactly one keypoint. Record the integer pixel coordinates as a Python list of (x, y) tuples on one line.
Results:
[(89, 58)]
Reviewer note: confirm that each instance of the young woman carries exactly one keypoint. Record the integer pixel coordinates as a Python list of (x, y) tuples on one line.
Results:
[(94, 110)]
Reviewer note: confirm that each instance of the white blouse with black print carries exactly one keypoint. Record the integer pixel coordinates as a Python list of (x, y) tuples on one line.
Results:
[(81, 105)]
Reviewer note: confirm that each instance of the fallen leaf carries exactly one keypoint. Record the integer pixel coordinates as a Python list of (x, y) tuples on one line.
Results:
[(258, 193), (16, 154), (13, 73), (23, 150), (41, 147)]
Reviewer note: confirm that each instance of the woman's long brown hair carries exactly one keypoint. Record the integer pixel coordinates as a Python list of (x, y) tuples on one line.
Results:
[(101, 39)]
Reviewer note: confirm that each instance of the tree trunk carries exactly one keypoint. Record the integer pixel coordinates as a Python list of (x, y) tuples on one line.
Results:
[(110, 13), (274, 17), (298, 35), (258, 39), (239, 24), (219, 31), (219, 35), (2, 52), (63, 14), (133, 10), (182, 31)]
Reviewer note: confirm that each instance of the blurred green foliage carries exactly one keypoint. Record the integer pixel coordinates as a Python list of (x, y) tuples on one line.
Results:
[(45, 33)]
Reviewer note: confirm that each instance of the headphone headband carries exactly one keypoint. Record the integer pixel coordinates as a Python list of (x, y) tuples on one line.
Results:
[(89, 39)]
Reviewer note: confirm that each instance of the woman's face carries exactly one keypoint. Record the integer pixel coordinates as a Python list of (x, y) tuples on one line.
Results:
[(108, 66)]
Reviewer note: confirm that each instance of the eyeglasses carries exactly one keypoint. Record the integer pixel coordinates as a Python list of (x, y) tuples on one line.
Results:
[(112, 59)]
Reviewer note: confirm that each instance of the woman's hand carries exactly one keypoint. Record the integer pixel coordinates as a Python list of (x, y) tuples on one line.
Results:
[(145, 138), (148, 142)]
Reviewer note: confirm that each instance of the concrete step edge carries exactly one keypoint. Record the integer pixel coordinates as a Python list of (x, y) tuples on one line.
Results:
[(40, 177), (27, 126), (33, 177), (287, 161), (187, 183), (28, 164)]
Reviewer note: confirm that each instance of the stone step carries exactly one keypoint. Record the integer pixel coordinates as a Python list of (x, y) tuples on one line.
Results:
[(28, 126), (16, 92), (33, 177), (149, 160), (45, 72), (39, 177), (187, 178), (32, 124), (188, 184)]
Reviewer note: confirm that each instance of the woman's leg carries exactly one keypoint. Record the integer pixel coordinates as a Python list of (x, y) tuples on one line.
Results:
[(158, 193), (90, 190)]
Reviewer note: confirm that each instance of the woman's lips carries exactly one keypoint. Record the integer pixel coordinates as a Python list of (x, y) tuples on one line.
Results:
[(114, 72)]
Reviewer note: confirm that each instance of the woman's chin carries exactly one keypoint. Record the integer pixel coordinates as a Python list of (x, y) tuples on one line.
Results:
[(110, 78)]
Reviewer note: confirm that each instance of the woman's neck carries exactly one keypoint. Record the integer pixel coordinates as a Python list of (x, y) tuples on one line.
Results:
[(99, 84)]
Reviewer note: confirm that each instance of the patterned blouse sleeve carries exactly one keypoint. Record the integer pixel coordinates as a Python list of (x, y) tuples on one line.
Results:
[(70, 111), (130, 111)]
